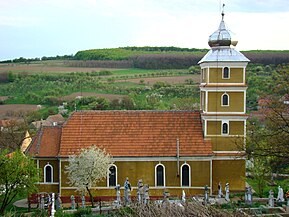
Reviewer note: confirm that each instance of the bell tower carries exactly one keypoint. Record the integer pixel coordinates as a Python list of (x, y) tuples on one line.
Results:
[(223, 107)]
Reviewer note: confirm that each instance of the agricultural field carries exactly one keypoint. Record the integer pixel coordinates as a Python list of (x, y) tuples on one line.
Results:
[(50, 83)]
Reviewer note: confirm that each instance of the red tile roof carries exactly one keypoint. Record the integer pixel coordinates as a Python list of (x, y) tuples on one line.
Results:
[(46, 143), (135, 133)]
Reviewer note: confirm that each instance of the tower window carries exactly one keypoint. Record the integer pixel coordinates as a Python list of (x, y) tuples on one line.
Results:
[(48, 173), (112, 179), (226, 73), (225, 128), (185, 175), (225, 99), (160, 175)]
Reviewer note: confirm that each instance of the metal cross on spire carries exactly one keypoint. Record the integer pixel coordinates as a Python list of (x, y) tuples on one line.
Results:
[(223, 13)]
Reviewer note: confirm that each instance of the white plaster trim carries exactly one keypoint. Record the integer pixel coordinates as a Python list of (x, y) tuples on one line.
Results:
[(223, 89), (222, 100), (220, 64), (228, 127), (229, 73), (206, 101), (244, 75), (231, 118), (48, 165), (229, 113), (164, 174), (47, 183), (60, 178), (211, 177), (185, 164), (245, 93), (143, 159), (107, 177), (229, 158), (229, 152), (224, 135)]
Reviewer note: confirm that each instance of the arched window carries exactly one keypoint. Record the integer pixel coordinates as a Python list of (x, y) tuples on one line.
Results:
[(48, 173), (185, 175), (225, 128), (160, 175), (226, 73), (225, 99), (112, 176)]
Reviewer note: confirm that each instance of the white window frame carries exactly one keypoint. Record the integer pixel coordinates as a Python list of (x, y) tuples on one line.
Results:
[(112, 165), (164, 170), (228, 130), (48, 165), (222, 102), (223, 72), (181, 184)]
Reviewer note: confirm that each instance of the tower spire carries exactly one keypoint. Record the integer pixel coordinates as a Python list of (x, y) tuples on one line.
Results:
[(223, 11)]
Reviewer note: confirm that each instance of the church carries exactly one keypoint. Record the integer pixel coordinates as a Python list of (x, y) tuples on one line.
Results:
[(172, 150)]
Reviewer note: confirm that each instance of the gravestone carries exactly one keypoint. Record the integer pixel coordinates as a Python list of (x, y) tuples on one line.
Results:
[(127, 190), (271, 198), (117, 190), (227, 191), (248, 195), (220, 193), (58, 202), (83, 201), (183, 196), (146, 193), (280, 197), (41, 201), (72, 198), (206, 194), (52, 205), (140, 191)]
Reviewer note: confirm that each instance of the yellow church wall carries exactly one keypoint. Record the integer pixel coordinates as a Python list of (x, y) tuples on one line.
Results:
[(200, 173), (235, 127), (135, 170), (49, 188), (231, 171), (54, 164), (236, 75), (236, 102), (227, 143)]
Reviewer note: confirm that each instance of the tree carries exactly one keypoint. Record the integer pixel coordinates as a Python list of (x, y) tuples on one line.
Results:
[(268, 137), (18, 176), (88, 168), (13, 134)]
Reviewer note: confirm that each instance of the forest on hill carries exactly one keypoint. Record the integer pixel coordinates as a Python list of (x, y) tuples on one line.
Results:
[(151, 57)]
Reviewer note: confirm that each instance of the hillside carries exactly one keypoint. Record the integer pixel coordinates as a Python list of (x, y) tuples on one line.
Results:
[(152, 57)]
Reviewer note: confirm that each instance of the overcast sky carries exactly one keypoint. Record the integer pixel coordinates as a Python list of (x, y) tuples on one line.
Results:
[(36, 28)]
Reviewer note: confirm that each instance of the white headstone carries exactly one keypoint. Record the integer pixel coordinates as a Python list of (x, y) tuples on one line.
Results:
[(183, 196), (271, 198), (52, 206), (227, 190), (220, 193), (280, 197)]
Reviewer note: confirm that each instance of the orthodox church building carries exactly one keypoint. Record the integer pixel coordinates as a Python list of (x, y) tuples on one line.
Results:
[(173, 150)]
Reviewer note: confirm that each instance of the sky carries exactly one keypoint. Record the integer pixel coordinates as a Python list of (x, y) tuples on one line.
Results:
[(37, 28)]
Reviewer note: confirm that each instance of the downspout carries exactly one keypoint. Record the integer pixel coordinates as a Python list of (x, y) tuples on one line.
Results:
[(178, 157)]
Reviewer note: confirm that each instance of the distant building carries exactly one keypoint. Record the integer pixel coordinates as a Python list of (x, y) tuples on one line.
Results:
[(52, 120), (174, 150)]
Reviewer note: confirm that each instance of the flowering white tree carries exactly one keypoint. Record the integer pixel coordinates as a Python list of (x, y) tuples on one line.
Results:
[(88, 168)]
